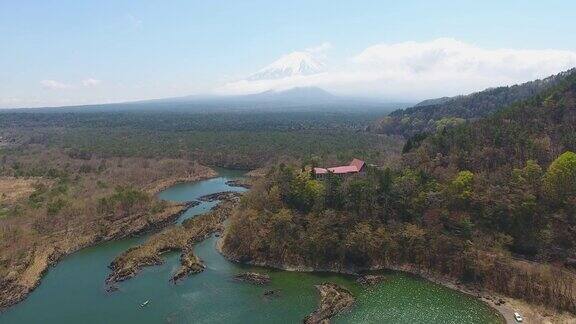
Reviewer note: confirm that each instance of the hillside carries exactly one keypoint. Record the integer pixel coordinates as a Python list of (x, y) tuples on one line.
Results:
[(491, 203), (540, 129), (434, 114), (516, 153)]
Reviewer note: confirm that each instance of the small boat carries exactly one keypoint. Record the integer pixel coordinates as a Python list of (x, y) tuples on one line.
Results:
[(144, 304)]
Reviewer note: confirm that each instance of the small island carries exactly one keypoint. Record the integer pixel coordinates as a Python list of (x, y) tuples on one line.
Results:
[(333, 300), (253, 278)]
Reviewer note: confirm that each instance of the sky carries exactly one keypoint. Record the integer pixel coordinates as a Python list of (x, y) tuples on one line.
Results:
[(69, 52)]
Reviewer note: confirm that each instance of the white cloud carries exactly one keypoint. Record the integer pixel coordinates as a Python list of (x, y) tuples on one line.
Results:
[(90, 82), (416, 70), (449, 59), (54, 85)]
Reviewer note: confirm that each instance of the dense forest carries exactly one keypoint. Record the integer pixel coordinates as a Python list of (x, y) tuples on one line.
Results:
[(432, 115), (241, 140), (490, 202)]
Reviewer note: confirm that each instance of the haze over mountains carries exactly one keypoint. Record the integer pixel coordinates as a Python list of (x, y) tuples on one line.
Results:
[(294, 99), (405, 118), (298, 95), (421, 117)]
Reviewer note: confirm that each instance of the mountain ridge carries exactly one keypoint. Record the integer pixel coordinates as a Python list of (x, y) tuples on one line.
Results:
[(294, 99), (431, 115)]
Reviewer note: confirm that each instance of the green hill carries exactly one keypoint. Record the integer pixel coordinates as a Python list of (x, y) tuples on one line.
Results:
[(491, 202), (435, 114)]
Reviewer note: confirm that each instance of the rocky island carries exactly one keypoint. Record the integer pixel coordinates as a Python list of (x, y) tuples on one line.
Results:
[(175, 238), (253, 278), (370, 279), (333, 300)]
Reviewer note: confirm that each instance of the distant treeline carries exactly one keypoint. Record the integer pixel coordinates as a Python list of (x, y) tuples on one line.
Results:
[(183, 121), (243, 139)]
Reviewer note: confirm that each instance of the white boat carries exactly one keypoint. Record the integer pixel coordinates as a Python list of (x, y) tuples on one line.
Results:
[(144, 304), (518, 317)]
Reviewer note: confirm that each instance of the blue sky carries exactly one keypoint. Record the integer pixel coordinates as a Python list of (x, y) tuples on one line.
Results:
[(75, 52)]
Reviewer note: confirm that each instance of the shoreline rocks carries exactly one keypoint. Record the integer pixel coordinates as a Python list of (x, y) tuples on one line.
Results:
[(333, 300), (274, 293), (253, 278), (240, 183), (370, 280), (220, 196), (190, 264), (111, 288)]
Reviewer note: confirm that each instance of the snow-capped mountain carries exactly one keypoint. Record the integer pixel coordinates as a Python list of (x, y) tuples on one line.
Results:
[(293, 64)]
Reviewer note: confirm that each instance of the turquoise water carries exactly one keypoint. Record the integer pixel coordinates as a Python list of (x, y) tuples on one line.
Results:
[(183, 192), (74, 291)]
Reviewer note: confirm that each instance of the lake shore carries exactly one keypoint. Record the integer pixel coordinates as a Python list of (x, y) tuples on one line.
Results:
[(180, 238), (506, 306), (506, 310), (24, 280), (166, 183)]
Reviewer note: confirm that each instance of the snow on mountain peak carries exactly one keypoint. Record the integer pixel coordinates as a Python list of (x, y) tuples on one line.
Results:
[(293, 64)]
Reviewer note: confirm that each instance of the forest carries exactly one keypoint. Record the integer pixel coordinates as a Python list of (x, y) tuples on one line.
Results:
[(434, 115), (489, 202), (240, 140)]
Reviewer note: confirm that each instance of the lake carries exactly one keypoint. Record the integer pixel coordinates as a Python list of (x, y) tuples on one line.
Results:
[(74, 291)]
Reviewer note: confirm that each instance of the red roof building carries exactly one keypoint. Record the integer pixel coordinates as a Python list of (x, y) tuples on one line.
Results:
[(356, 166)]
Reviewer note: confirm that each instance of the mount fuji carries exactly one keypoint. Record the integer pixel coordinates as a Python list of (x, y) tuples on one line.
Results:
[(293, 64)]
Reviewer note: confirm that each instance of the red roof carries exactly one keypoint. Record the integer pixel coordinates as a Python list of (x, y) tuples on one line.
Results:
[(357, 163), (343, 169), (320, 171), (354, 167)]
